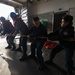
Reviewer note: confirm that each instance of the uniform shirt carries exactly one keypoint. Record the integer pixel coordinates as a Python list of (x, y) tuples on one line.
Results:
[(37, 32), (20, 26), (7, 27), (62, 35)]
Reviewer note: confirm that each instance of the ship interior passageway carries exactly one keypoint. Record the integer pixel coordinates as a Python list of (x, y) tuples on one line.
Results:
[(50, 17)]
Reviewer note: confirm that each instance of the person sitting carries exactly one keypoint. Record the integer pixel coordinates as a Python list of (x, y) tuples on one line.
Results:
[(36, 32), (21, 27)]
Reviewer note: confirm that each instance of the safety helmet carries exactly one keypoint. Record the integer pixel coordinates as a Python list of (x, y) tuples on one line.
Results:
[(13, 15), (2, 18)]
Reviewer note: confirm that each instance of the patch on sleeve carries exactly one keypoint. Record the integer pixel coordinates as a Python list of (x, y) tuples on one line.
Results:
[(65, 33)]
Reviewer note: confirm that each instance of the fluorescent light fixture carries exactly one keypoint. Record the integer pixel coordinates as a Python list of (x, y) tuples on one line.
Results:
[(9, 0)]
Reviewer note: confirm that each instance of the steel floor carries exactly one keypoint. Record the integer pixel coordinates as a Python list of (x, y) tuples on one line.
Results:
[(10, 64)]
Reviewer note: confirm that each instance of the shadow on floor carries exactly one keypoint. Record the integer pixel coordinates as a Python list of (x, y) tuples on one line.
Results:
[(29, 67)]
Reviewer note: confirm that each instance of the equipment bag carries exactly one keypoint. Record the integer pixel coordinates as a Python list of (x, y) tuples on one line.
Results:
[(49, 44)]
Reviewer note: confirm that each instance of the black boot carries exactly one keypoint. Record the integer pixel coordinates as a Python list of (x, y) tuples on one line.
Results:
[(42, 67), (13, 48), (23, 58), (49, 62), (19, 49), (8, 47)]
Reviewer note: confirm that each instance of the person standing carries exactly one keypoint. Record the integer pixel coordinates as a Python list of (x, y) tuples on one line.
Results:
[(20, 27), (8, 29)]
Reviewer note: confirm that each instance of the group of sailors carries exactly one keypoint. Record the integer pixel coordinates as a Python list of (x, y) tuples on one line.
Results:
[(39, 34)]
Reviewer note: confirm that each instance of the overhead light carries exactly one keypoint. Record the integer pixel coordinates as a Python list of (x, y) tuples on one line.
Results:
[(15, 2), (9, 0)]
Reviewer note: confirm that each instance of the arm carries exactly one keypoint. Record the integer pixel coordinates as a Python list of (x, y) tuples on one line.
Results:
[(16, 30), (53, 36)]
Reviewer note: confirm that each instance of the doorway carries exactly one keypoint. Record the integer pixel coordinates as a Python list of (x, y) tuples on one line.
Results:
[(57, 19)]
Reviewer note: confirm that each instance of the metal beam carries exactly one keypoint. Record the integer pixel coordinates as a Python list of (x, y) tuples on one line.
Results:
[(19, 1), (15, 2)]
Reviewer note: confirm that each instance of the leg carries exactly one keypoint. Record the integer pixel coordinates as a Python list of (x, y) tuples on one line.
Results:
[(54, 51), (39, 55), (39, 50), (19, 48), (20, 42), (24, 48), (11, 42), (9, 46), (69, 55), (24, 45), (33, 47)]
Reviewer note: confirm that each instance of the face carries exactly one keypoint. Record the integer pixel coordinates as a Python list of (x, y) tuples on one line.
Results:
[(63, 23), (36, 23)]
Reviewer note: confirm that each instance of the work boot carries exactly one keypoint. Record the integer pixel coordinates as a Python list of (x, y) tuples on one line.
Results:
[(33, 57), (23, 58), (13, 48), (8, 47), (30, 56), (49, 62), (19, 49), (42, 67)]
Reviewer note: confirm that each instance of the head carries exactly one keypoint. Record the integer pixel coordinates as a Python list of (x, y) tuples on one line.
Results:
[(13, 15), (67, 21), (2, 19), (36, 21)]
